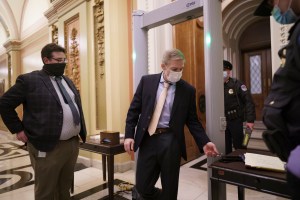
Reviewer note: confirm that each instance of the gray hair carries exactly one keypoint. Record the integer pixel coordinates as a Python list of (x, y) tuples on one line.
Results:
[(173, 54)]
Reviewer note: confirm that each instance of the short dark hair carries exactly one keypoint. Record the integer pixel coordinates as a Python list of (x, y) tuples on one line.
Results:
[(49, 48)]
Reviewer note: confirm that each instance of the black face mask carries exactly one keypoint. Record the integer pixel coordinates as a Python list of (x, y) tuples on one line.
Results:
[(54, 69)]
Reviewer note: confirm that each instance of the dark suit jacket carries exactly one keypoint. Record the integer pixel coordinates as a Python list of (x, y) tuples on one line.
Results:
[(42, 110), (183, 112)]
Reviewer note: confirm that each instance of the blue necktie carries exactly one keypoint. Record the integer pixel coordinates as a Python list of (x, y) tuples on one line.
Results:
[(68, 100)]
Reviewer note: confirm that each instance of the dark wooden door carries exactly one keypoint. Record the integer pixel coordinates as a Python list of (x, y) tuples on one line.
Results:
[(188, 37), (258, 76)]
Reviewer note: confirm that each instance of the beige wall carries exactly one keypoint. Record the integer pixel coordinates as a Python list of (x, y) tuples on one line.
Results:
[(117, 64), (31, 51)]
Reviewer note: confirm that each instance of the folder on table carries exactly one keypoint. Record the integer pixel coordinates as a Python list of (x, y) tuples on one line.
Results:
[(264, 162)]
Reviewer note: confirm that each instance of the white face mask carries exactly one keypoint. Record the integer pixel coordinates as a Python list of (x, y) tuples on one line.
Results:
[(174, 77), (225, 75)]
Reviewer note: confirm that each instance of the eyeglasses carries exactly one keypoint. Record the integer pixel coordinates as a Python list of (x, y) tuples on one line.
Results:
[(60, 60)]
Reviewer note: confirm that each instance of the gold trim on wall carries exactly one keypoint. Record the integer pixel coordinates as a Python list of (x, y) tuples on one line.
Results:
[(9, 69), (98, 12), (2, 86), (71, 35), (99, 36), (54, 34)]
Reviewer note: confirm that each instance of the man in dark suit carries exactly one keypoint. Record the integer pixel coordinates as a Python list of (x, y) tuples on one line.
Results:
[(159, 133), (52, 120)]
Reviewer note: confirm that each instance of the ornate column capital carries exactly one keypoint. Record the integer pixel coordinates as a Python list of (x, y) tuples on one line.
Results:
[(59, 7), (12, 45)]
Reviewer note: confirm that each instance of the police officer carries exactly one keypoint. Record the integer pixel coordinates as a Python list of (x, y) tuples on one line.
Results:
[(239, 107), (282, 106)]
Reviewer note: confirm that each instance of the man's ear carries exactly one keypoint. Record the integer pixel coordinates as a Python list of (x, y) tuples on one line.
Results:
[(45, 60), (163, 66)]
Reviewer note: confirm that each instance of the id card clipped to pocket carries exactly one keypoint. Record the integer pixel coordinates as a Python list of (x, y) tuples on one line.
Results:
[(41, 154)]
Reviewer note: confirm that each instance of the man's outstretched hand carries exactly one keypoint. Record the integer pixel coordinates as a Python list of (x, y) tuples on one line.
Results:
[(210, 150)]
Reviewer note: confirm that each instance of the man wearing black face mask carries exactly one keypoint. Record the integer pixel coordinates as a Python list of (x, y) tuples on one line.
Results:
[(52, 120), (281, 109)]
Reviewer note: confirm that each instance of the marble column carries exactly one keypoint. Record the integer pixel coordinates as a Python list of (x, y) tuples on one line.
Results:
[(14, 60)]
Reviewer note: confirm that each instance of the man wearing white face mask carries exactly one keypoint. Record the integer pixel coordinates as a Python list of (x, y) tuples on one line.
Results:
[(239, 107), (163, 103), (281, 108)]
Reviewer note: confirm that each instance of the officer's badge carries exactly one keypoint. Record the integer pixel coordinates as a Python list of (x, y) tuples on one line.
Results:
[(230, 91), (244, 88)]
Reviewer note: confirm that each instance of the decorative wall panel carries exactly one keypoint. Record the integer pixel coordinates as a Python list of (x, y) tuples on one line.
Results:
[(98, 12), (2, 86), (71, 35), (99, 36), (9, 69), (54, 34)]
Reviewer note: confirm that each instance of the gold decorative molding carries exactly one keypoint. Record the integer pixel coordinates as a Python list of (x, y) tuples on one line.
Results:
[(54, 34), (99, 37), (60, 7), (2, 86), (71, 36), (74, 58), (9, 69)]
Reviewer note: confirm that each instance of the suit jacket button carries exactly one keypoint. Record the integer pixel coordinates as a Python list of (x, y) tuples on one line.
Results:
[(149, 117), (144, 129)]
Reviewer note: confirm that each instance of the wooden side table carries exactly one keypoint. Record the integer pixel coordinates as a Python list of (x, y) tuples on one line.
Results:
[(108, 152)]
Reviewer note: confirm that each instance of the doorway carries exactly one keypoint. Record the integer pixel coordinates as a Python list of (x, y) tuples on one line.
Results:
[(256, 63), (189, 38), (258, 76)]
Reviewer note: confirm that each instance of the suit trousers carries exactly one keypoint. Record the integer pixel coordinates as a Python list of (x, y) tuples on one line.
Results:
[(159, 155), (234, 135), (53, 173)]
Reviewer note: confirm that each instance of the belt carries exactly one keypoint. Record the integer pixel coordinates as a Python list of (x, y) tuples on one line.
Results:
[(74, 137), (162, 130)]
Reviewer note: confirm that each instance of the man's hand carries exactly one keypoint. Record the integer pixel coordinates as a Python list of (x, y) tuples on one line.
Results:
[(210, 149), (21, 136), (128, 145), (250, 125)]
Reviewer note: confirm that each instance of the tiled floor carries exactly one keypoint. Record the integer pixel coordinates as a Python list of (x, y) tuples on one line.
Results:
[(16, 178)]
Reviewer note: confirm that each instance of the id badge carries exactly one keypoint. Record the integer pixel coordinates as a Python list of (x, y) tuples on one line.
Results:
[(41, 154)]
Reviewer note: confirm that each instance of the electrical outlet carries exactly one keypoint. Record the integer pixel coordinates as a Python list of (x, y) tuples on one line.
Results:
[(223, 123)]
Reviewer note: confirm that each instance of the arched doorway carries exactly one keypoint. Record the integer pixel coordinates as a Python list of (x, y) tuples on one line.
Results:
[(256, 69)]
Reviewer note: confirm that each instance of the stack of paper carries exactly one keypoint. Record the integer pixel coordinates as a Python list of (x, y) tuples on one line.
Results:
[(264, 162)]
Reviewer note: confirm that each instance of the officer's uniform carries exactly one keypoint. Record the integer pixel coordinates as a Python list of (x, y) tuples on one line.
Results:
[(239, 107), (282, 106)]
